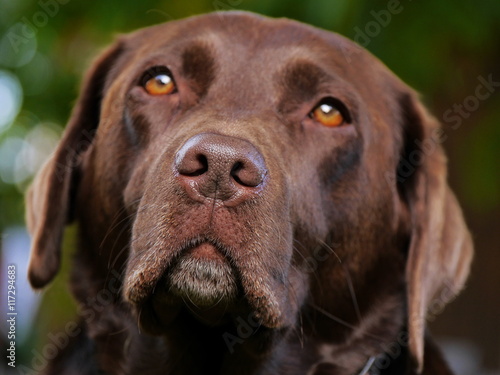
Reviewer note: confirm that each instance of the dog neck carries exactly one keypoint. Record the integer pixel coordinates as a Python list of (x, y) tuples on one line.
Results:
[(246, 348), (321, 338)]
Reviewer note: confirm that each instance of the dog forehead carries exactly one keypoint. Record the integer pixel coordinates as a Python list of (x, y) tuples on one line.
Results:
[(235, 33)]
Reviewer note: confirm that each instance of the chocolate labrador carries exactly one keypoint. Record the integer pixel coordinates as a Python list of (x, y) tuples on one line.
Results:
[(253, 196)]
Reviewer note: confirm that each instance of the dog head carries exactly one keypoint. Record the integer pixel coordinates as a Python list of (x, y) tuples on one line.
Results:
[(247, 164)]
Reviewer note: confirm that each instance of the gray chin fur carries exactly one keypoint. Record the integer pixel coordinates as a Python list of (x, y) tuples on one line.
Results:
[(204, 283)]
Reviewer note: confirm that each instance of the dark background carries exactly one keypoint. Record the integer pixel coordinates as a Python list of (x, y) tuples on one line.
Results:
[(443, 49)]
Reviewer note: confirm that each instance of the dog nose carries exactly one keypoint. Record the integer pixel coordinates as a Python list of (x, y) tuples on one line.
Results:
[(220, 167)]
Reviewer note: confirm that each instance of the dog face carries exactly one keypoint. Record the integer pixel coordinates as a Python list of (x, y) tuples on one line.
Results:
[(233, 164)]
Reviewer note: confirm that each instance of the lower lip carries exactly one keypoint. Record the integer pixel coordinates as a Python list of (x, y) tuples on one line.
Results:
[(206, 251)]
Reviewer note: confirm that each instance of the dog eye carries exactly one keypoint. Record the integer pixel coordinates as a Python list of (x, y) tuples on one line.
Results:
[(328, 113), (158, 81)]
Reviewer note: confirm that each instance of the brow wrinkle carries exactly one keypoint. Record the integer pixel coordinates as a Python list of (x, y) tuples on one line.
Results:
[(198, 65), (301, 81)]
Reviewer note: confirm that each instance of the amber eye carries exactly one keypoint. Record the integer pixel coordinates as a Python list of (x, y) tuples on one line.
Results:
[(328, 115), (158, 81)]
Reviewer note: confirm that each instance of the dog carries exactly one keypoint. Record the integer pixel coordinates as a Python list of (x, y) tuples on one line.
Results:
[(252, 196)]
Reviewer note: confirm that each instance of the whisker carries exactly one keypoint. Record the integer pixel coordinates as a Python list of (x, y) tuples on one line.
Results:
[(189, 307), (351, 291), (113, 247), (305, 260), (124, 329), (139, 320), (126, 247), (328, 247), (113, 225), (347, 275), (343, 322)]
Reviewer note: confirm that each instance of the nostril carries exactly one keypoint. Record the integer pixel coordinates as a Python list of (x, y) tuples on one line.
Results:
[(193, 165), (235, 170), (247, 174), (202, 165)]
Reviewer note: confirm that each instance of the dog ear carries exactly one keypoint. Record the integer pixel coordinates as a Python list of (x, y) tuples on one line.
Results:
[(440, 249), (49, 199)]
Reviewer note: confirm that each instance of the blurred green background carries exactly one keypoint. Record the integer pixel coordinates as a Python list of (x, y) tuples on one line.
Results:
[(443, 49)]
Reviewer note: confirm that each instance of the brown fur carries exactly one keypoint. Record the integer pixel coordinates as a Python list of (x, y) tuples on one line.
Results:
[(336, 245)]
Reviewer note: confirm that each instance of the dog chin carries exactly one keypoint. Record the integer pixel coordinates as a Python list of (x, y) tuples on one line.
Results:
[(203, 277)]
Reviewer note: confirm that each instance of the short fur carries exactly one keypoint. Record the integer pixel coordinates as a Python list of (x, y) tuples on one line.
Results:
[(336, 246)]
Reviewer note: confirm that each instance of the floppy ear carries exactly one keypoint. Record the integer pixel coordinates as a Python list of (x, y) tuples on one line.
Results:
[(440, 249), (49, 199)]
